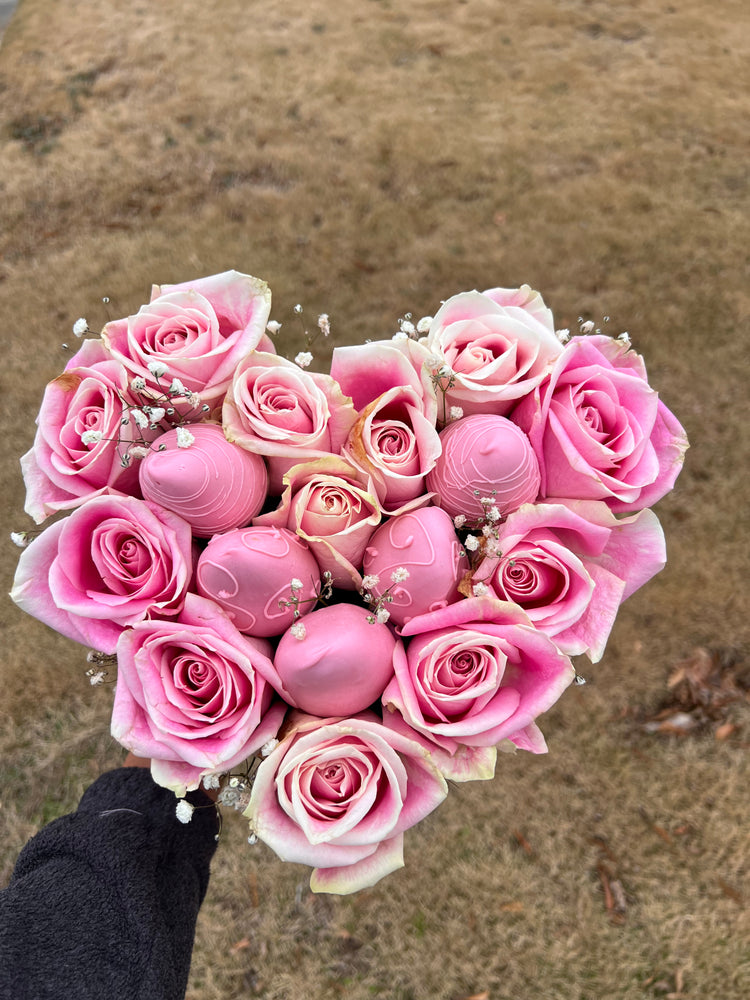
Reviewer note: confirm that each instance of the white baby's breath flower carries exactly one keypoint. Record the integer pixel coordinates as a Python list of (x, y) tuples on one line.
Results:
[(459, 520), (493, 513), (184, 437), (400, 574), (272, 326), (176, 388), (324, 324), (80, 327), (140, 418), (156, 413), (304, 359), (480, 590), (96, 677), (370, 581), (298, 630), (492, 548), (445, 371), (229, 797), (400, 336), (563, 335), (268, 747), (91, 437), (408, 327), (211, 781), (137, 451), (157, 368), (295, 584), (194, 399), (472, 543), (19, 538), (456, 412), (424, 324), (624, 338), (587, 326), (382, 615), (184, 811), (138, 384)]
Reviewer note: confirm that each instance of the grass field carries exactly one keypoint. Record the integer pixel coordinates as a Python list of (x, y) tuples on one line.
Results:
[(368, 158)]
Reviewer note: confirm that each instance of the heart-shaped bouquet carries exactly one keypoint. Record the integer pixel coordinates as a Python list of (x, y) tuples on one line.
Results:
[(327, 593)]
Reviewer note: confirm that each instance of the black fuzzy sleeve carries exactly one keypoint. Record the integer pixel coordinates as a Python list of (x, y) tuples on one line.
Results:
[(103, 902)]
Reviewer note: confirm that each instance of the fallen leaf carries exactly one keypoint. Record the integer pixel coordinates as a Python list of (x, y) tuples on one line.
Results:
[(725, 730), (523, 843), (664, 834), (603, 846), (240, 945), (702, 689)]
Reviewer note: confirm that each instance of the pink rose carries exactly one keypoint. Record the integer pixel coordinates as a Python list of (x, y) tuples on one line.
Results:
[(199, 330), (288, 415), (600, 431), (570, 565), (474, 674), (113, 561), (498, 346), (523, 298), (394, 443), (366, 371), (80, 449), (331, 506), (193, 694), (338, 794)]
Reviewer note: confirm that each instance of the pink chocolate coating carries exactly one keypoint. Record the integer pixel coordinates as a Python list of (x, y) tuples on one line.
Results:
[(249, 570), (424, 542), (484, 456), (213, 484), (341, 666)]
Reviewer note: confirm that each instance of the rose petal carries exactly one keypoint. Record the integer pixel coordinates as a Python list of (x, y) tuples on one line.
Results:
[(387, 858)]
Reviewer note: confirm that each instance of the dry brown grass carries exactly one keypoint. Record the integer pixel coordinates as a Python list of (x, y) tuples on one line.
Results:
[(368, 158)]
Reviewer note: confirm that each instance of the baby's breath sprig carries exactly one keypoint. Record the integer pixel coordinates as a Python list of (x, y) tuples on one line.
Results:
[(378, 604), (235, 794), (22, 538), (407, 330), (81, 328), (101, 663), (587, 326), (236, 786), (323, 323), (323, 593), (160, 406), (443, 379), (484, 537), (153, 411)]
